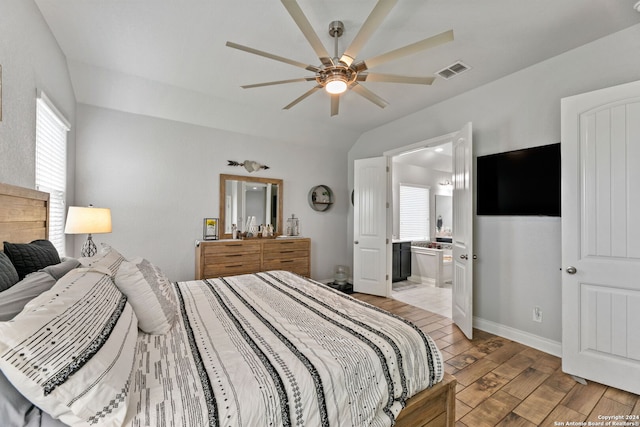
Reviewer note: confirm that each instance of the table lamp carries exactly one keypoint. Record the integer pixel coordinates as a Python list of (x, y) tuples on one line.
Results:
[(88, 220)]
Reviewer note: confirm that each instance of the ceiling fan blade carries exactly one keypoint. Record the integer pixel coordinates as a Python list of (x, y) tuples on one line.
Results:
[(335, 105), (272, 56), (303, 96), (362, 91), (411, 49), (393, 78), (377, 15), (279, 82), (307, 30)]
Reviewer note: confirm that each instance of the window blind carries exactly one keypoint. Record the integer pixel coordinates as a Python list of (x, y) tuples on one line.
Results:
[(414, 212), (51, 165)]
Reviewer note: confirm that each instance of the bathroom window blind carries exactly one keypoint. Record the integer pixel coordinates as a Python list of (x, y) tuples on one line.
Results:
[(414, 212)]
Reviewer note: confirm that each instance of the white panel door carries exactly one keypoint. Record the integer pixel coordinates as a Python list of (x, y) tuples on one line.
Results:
[(462, 280), (601, 236), (371, 265)]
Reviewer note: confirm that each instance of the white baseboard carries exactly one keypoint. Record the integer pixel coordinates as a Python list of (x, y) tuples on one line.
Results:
[(539, 343)]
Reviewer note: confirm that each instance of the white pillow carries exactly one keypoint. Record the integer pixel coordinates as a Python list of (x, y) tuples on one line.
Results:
[(107, 257), (150, 293), (71, 350)]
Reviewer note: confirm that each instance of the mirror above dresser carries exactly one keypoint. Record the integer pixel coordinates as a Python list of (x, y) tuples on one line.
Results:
[(242, 197)]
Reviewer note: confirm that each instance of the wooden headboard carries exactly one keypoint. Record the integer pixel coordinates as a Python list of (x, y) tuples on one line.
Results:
[(24, 214)]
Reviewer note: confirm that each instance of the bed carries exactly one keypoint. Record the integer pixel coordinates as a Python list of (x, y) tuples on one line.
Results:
[(270, 348)]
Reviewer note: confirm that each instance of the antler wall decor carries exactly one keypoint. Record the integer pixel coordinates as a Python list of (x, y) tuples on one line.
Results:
[(249, 165)]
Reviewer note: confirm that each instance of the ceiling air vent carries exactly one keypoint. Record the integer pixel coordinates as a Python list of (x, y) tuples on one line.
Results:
[(453, 70)]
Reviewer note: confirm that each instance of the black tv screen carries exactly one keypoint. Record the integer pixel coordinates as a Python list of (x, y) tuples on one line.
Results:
[(521, 182)]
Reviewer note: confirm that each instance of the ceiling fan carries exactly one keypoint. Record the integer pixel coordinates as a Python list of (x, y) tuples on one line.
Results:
[(339, 74)]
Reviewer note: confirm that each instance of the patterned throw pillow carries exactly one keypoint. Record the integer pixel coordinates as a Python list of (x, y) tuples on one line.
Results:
[(107, 257), (71, 350), (150, 293), (30, 257)]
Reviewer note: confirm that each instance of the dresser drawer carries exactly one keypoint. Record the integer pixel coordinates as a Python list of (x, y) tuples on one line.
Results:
[(295, 265), (285, 254), (214, 270), (230, 260), (286, 249), (231, 248)]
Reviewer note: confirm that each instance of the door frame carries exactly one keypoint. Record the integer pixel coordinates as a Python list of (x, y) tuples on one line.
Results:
[(431, 142)]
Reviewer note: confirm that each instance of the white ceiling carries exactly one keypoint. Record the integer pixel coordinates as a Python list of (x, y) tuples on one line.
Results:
[(168, 58), (437, 158)]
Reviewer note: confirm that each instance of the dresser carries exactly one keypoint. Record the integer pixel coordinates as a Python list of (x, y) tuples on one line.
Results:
[(215, 258)]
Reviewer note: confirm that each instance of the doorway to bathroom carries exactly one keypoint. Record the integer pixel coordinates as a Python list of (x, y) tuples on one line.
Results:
[(374, 221), (422, 185)]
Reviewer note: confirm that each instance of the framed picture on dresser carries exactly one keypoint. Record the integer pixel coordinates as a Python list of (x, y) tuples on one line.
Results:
[(210, 230)]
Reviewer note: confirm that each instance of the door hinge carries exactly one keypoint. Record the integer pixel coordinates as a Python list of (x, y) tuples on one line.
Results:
[(387, 241), (386, 277), (387, 205), (387, 168)]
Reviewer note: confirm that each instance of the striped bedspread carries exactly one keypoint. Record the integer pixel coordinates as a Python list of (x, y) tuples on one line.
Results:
[(272, 349)]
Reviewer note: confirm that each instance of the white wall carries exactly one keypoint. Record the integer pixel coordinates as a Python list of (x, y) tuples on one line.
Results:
[(160, 179), (31, 59), (519, 257)]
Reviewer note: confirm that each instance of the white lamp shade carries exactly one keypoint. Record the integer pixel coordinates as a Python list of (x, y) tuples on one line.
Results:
[(88, 220)]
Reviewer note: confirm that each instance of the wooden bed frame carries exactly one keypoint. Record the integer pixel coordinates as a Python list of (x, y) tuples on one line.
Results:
[(433, 407), (24, 216)]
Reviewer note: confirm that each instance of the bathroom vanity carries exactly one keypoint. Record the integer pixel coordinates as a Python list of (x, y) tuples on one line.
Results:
[(430, 265), (401, 263)]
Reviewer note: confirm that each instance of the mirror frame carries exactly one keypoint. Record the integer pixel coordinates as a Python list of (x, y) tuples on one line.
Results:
[(223, 186), (437, 208)]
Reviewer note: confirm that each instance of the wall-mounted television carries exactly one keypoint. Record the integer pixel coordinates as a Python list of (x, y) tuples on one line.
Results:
[(521, 182)]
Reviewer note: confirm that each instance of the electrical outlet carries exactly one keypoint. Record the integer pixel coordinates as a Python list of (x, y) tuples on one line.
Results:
[(537, 314)]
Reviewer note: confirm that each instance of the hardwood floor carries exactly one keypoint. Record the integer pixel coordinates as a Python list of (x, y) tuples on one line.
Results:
[(504, 383)]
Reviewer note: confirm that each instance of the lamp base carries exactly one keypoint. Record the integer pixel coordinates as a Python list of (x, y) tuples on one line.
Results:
[(89, 248)]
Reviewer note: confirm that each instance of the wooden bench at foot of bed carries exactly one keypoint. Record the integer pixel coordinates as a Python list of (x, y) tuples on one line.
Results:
[(433, 407)]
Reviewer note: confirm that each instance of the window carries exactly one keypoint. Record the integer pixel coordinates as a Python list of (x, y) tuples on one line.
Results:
[(51, 165), (414, 212)]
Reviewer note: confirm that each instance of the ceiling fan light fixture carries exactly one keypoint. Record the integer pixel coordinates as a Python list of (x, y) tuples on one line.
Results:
[(342, 73), (335, 84)]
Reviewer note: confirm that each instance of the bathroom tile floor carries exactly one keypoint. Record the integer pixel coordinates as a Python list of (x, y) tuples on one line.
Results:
[(425, 296)]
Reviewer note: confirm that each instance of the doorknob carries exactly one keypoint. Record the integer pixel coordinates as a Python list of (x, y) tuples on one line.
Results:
[(475, 257), (572, 270), (355, 242), (464, 256)]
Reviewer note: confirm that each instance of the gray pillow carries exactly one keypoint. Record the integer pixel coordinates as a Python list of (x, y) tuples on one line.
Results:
[(30, 257), (8, 273), (13, 300), (59, 270)]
